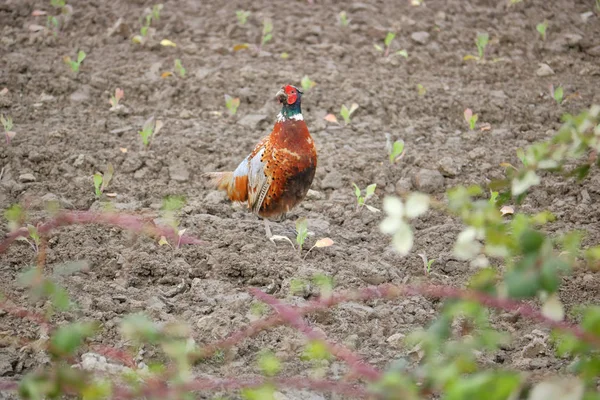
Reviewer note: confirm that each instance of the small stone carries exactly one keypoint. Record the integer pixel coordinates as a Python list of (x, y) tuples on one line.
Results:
[(185, 114), (252, 121), (544, 70), (403, 186), (573, 39), (586, 16), (476, 153), (352, 342), (428, 180), (315, 195), (26, 178), (585, 197), (533, 349), (81, 95), (396, 340), (594, 51), (448, 167), (420, 37), (179, 172), (47, 98), (214, 197), (332, 180), (79, 161)]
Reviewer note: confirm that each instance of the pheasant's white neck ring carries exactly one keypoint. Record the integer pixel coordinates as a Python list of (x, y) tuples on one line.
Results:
[(295, 117)]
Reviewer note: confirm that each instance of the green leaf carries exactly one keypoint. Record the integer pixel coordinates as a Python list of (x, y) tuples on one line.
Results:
[(522, 184), (553, 308), (68, 338), (378, 47), (403, 239), (98, 183), (570, 388), (591, 320), (301, 231), (307, 83), (345, 113), (370, 190), (264, 392), (558, 94), (466, 246), (417, 204), (138, 327), (402, 53), (357, 191), (60, 298), (389, 38), (269, 364), (80, 56), (324, 283), (521, 285), (496, 386), (397, 149), (316, 350), (531, 241), (393, 207)]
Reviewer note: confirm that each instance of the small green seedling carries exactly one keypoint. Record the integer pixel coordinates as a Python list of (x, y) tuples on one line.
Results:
[(301, 232), (114, 100), (427, 263), (421, 90), (361, 200), (7, 123), (307, 84), (471, 118), (149, 130), (179, 68), (75, 64), (343, 19), (396, 151), (557, 93), (232, 104), (101, 181), (481, 42), (267, 33), (541, 28), (242, 16), (153, 15), (346, 112), (389, 38), (171, 205), (33, 238), (52, 24), (58, 3)]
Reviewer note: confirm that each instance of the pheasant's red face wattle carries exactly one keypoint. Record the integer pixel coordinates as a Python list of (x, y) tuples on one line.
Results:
[(292, 94)]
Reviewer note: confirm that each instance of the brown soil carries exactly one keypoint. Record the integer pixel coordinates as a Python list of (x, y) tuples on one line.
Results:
[(66, 132)]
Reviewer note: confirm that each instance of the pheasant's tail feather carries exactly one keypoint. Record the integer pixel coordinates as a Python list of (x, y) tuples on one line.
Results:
[(235, 186)]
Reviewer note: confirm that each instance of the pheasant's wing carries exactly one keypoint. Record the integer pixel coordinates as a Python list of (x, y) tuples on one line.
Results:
[(253, 167)]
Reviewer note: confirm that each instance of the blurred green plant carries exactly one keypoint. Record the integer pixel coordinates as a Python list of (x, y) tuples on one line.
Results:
[(242, 16), (74, 65), (361, 199), (387, 43)]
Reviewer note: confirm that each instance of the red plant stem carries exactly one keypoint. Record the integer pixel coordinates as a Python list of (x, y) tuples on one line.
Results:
[(159, 389), (391, 292), (24, 313), (130, 223), (294, 319), (116, 354)]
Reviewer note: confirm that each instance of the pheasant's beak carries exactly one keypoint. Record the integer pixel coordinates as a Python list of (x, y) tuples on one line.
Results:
[(281, 96)]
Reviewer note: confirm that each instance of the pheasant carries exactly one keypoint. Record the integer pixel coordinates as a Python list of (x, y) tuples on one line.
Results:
[(277, 174)]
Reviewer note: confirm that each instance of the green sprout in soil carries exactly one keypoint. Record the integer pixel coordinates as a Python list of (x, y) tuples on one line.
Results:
[(267, 33), (242, 16), (101, 181), (74, 65), (179, 68), (53, 23), (421, 90), (481, 42), (114, 100), (302, 234), (346, 112), (149, 130), (15, 216), (232, 104), (145, 31), (395, 150), (427, 263), (557, 94), (343, 19), (541, 28), (361, 199), (470, 118), (7, 124), (170, 207), (387, 42), (307, 84)]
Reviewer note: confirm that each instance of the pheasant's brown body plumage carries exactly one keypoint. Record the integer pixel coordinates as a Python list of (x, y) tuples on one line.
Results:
[(276, 176)]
